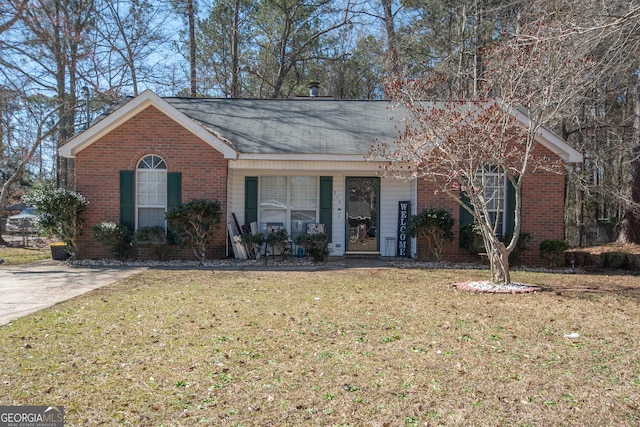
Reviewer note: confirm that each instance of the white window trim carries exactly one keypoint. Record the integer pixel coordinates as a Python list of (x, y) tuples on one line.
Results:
[(156, 167), (288, 209), (501, 209)]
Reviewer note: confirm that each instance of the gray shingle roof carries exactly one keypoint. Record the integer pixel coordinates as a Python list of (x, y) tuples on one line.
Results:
[(273, 127), (294, 126)]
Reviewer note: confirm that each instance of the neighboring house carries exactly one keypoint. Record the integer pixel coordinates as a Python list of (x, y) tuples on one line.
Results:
[(275, 162)]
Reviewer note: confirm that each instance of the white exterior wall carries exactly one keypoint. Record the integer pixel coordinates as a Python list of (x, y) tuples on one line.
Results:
[(392, 191)]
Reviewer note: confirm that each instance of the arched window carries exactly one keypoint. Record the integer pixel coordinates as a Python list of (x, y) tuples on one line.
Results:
[(151, 192)]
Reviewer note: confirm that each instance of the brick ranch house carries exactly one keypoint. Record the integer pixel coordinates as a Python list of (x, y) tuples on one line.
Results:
[(286, 162)]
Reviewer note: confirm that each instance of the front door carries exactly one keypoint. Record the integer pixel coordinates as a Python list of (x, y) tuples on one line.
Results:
[(362, 210)]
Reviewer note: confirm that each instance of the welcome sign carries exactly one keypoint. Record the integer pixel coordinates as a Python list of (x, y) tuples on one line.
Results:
[(403, 219)]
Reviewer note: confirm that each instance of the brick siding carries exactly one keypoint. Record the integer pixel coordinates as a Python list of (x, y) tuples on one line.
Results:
[(542, 214), (204, 174)]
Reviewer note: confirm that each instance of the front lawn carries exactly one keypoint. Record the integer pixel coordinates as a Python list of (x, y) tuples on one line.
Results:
[(24, 255), (361, 347)]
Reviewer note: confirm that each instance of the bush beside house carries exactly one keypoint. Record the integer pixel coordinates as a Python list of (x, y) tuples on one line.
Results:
[(116, 237), (202, 168), (434, 226), (194, 223), (60, 213)]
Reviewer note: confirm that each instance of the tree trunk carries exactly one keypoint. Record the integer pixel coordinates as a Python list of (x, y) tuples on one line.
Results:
[(498, 259), (478, 64), (192, 47), (392, 43), (630, 226), (235, 56)]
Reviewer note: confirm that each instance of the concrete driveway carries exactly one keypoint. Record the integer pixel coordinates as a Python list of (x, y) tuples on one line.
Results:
[(31, 287)]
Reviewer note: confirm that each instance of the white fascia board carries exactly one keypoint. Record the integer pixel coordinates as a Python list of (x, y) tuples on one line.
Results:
[(129, 110), (305, 157), (558, 146), (548, 139), (280, 165)]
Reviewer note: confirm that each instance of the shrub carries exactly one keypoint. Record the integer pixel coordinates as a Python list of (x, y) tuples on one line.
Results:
[(59, 212), (471, 238), (254, 242), (194, 224), (156, 239), (434, 225), (552, 250), (316, 245), (117, 237), (616, 259), (279, 241)]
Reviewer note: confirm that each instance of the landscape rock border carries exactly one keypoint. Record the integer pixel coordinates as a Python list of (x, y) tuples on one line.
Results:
[(486, 287)]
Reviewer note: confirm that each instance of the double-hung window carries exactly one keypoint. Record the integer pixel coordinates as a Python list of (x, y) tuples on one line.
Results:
[(495, 184), (499, 201), (151, 192), (147, 192), (288, 201), (304, 203)]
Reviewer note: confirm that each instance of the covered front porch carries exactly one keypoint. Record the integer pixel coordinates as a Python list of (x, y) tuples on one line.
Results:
[(359, 210)]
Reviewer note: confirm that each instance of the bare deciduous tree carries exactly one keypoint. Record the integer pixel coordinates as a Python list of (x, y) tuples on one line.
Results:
[(128, 33), (290, 32), (55, 45), (10, 12), (32, 128), (473, 145), (605, 123)]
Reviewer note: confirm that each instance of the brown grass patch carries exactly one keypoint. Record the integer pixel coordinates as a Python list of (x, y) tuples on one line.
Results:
[(361, 347), (630, 248)]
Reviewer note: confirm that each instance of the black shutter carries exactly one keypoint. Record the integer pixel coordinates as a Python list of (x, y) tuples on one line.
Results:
[(510, 209), (127, 199), (326, 204), (465, 219), (174, 190), (250, 199)]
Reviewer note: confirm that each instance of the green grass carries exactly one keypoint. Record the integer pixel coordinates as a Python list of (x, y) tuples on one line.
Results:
[(17, 256), (349, 347)]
